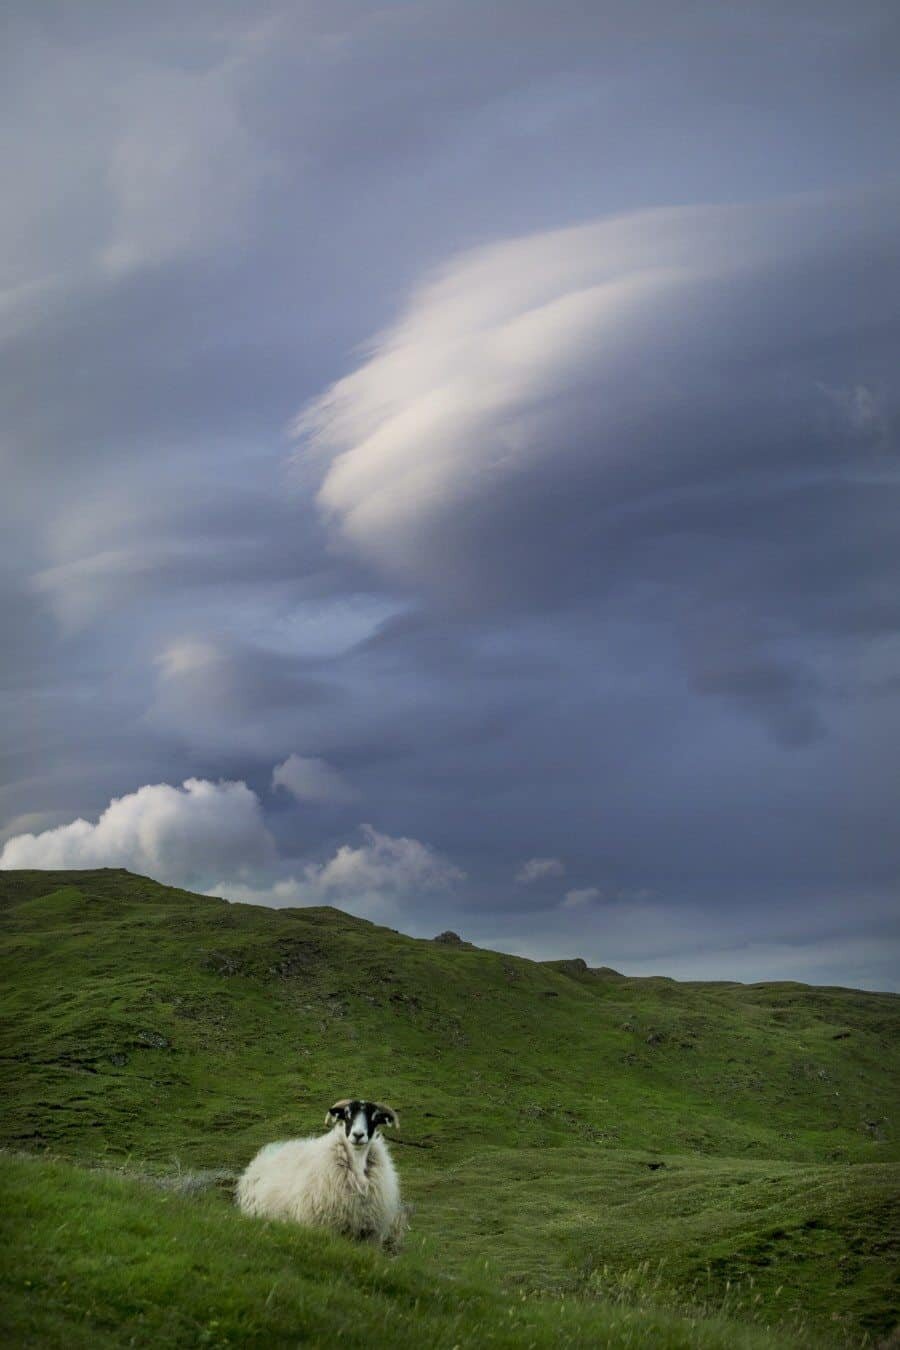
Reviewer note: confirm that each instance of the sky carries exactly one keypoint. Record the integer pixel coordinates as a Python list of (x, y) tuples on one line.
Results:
[(450, 467)]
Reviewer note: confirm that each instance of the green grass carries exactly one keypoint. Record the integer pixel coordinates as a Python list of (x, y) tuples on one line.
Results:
[(160, 1031), (94, 1260), (810, 1245)]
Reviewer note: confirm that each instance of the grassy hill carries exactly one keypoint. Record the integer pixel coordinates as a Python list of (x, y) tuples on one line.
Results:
[(580, 1147)]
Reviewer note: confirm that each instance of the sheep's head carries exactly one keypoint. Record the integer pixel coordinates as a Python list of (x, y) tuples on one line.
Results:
[(360, 1120)]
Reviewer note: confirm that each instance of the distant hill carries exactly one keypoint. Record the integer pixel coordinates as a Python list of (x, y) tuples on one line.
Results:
[(583, 1118)]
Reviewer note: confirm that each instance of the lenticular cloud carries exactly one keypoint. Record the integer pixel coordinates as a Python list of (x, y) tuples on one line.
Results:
[(620, 363)]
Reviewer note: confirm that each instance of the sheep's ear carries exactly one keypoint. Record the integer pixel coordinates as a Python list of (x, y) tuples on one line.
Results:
[(337, 1112), (385, 1115)]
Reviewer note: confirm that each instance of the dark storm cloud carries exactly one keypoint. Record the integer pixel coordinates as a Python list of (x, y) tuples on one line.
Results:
[(643, 616)]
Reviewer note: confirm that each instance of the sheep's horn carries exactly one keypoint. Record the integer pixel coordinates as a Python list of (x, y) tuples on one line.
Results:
[(336, 1109)]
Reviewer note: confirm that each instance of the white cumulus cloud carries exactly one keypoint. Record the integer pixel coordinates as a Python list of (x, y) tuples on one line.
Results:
[(373, 878), (384, 864), (312, 780), (212, 837), (585, 895), (540, 869), (589, 895), (187, 835)]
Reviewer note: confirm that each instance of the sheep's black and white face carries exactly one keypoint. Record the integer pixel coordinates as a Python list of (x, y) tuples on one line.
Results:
[(360, 1120)]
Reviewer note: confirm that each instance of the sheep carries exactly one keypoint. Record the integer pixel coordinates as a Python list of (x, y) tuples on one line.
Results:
[(343, 1180)]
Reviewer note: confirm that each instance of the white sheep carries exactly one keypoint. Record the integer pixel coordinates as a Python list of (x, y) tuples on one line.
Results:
[(343, 1180)]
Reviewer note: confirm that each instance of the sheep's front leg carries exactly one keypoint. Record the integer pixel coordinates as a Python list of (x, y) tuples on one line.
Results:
[(393, 1241)]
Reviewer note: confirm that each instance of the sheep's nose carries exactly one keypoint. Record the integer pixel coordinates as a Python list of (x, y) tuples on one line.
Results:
[(358, 1136)]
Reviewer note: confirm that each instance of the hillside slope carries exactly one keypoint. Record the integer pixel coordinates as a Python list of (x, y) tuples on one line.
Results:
[(88, 1260), (148, 1017), (736, 1138)]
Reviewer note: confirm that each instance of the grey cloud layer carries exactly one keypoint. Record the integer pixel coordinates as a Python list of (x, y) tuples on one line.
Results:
[(594, 558)]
